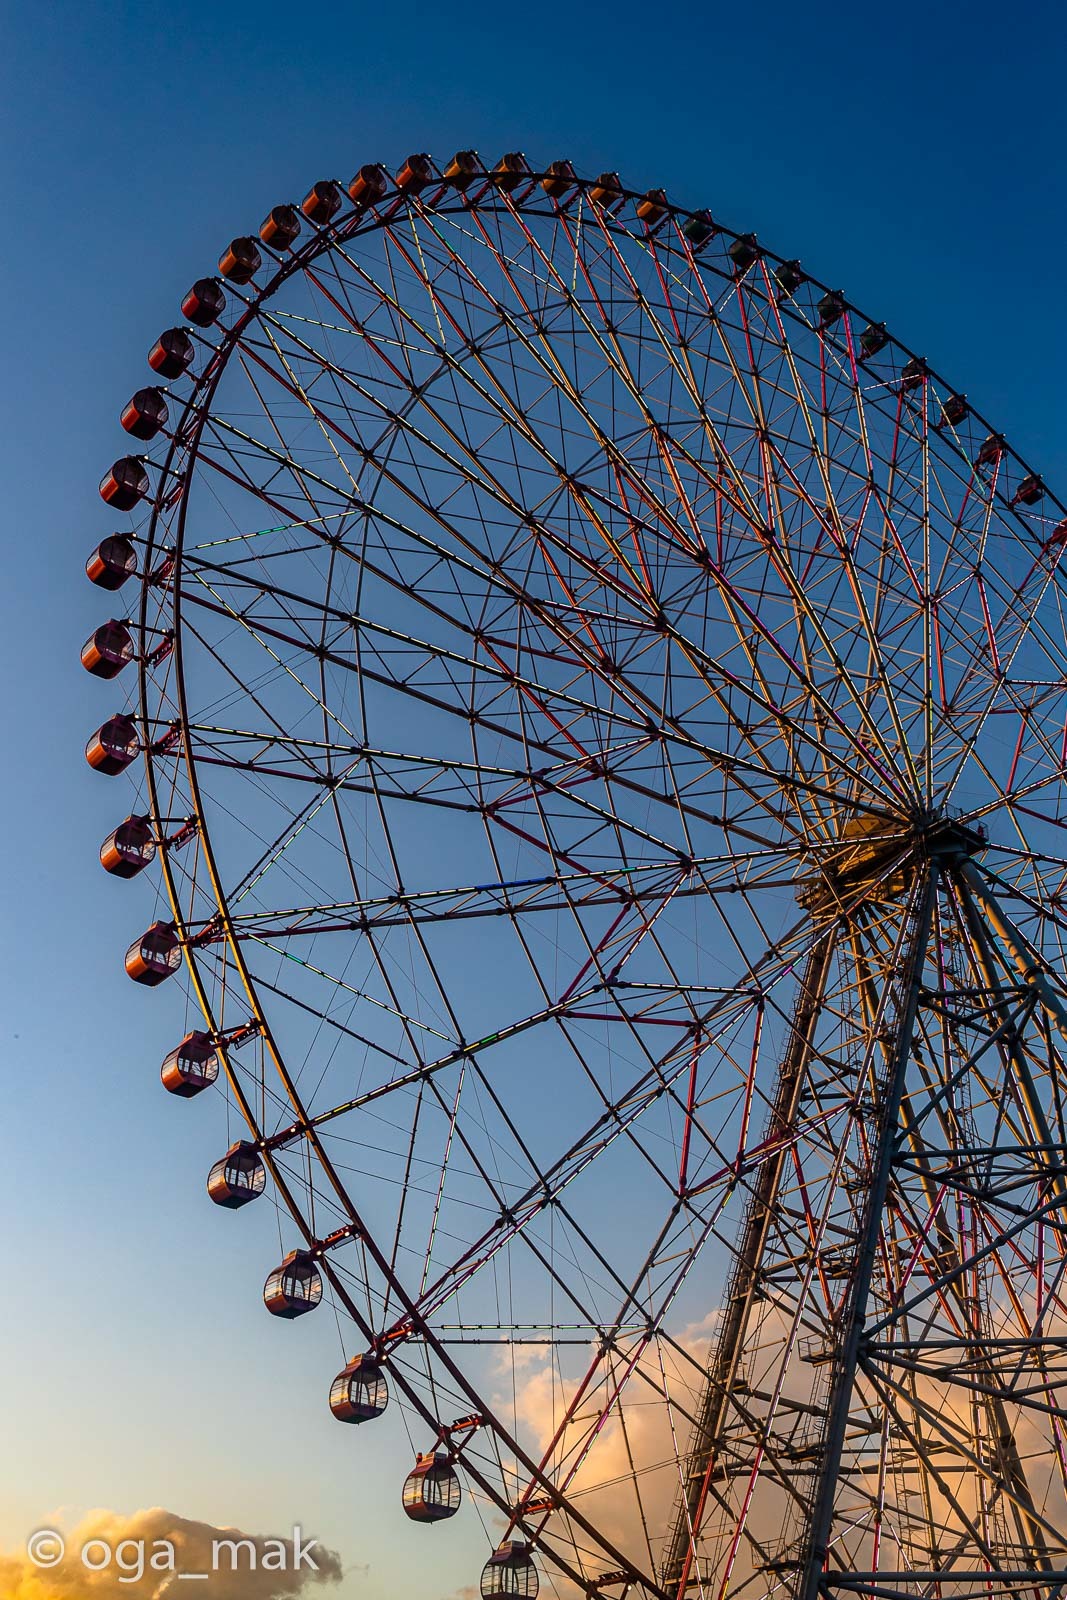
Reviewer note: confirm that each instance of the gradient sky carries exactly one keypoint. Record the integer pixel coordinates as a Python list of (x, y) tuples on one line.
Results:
[(911, 155)]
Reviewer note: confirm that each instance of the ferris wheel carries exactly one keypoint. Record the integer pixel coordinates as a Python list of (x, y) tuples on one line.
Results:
[(603, 709)]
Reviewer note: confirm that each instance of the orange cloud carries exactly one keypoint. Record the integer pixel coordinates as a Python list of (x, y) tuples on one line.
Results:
[(114, 1557)]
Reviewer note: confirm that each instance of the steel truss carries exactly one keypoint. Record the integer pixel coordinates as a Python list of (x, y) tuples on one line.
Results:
[(603, 712)]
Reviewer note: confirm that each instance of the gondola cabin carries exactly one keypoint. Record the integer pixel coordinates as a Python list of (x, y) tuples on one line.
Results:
[(953, 410), (914, 373), (369, 185), (241, 260), (238, 1179), (699, 228), (112, 562), (432, 1490), (129, 848), (510, 1571), (294, 1288), (652, 207), (125, 484), (831, 308), (873, 338), (145, 414), (204, 304), (463, 169), (172, 354), (509, 172), (606, 192), (744, 252), (359, 1393), (1029, 491), (789, 276), (559, 179), (108, 649), (280, 227), (189, 1069), (155, 956), (414, 175), (322, 202), (113, 746)]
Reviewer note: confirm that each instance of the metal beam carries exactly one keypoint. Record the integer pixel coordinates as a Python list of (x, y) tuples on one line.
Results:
[(839, 1404), (707, 1434)]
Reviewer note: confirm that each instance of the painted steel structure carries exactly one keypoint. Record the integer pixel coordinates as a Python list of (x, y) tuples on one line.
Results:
[(603, 710)]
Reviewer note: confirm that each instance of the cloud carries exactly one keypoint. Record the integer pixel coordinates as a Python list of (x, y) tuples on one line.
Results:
[(114, 1557), (647, 1444)]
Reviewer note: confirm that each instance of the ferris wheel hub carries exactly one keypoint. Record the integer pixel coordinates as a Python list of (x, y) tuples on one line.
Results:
[(877, 855)]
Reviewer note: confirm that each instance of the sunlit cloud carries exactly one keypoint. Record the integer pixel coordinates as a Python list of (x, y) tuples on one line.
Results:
[(141, 1557)]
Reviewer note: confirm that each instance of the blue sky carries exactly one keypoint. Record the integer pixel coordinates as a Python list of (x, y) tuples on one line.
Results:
[(912, 155)]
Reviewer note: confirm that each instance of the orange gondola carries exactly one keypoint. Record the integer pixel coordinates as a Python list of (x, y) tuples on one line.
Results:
[(190, 1068), (369, 185), (155, 956), (205, 303), (238, 1179), (280, 227), (112, 562), (241, 260), (108, 649), (129, 848), (172, 354), (113, 746), (322, 202)]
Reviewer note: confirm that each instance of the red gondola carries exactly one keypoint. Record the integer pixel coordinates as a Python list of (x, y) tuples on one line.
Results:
[(145, 414), (990, 450), (189, 1069), (510, 1572), (113, 746), (172, 354), (322, 202), (155, 956), (295, 1287), (241, 260), (369, 185), (125, 484), (205, 303), (432, 1489), (239, 1178), (112, 562), (280, 227), (108, 650), (129, 848), (359, 1393)]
